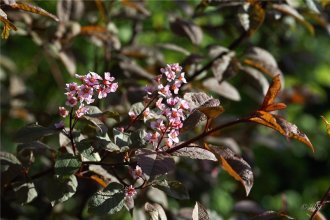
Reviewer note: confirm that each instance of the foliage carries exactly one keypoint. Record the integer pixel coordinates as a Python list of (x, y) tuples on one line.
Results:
[(148, 130)]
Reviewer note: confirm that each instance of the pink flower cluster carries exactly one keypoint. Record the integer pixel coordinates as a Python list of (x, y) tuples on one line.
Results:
[(130, 191), (92, 84), (169, 105)]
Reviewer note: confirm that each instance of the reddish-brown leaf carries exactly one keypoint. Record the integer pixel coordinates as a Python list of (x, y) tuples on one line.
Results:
[(211, 111), (282, 126), (234, 165), (256, 15), (33, 9), (7, 26), (99, 181), (272, 92), (92, 29)]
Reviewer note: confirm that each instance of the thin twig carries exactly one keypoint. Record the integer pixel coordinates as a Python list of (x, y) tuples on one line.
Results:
[(139, 115), (70, 133), (232, 46), (322, 202), (106, 164)]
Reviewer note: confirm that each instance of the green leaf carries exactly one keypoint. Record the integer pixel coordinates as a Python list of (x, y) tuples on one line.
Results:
[(108, 201), (8, 158), (60, 189), (25, 192), (174, 189), (66, 164), (121, 139), (138, 138), (87, 151), (34, 132), (137, 108)]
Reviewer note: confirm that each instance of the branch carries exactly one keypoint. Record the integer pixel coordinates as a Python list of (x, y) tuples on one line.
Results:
[(232, 46), (203, 135), (322, 202), (106, 164)]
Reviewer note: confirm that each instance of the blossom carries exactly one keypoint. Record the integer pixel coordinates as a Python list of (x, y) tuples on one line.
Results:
[(164, 90), (71, 101), (173, 135), (130, 191), (152, 138), (81, 111), (158, 125), (92, 79), (137, 172), (72, 88), (108, 78), (63, 112)]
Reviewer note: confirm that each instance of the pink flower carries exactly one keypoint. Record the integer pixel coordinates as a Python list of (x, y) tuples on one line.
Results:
[(71, 101), (149, 89), (173, 135), (108, 77), (160, 105), (72, 88), (63, 112), (112, 87), (130, 191), (152, 138), (172, 101), (181, 78), (102, 93), (82, 110), (159, 125), (176, 86), (146, 114), (164, 90), (169, 142), (137, 172), (184, 104), (92, 79)]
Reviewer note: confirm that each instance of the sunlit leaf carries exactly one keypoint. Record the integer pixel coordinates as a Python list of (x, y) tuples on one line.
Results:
[(268, 103), (257, 76), (327, 124), (235, 166), (9, 158), (187, 29), (66, 164), (224, 89), (281, 125), (211, 111), (121, 139), (87, 151), (199, 212), (288, 10), (33, 9), (155, 211), (263, 61), (25, 192), (195, 152), (224, 67), (98, 180), (107, 201), (174, 189)]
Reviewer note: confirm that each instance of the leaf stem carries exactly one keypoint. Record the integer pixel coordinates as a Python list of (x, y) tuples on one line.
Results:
[(205, 134)]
